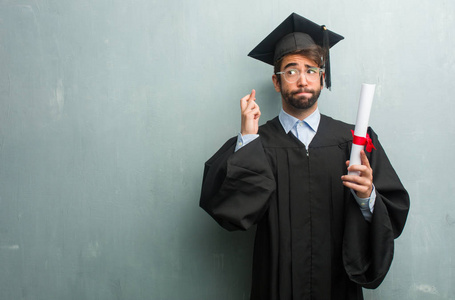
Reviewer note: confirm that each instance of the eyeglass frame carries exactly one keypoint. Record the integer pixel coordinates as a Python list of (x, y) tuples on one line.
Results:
[(320, 71)]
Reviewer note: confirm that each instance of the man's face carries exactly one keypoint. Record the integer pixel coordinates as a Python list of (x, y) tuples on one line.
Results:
[(302, 94)]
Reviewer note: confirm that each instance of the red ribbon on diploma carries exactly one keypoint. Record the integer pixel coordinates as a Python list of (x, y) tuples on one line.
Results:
[(362, 141)]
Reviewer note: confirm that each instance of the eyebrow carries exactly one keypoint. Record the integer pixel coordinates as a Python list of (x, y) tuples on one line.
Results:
[(296, 64)]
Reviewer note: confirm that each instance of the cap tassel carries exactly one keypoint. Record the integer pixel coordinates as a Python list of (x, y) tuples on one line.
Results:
[(326, 46)]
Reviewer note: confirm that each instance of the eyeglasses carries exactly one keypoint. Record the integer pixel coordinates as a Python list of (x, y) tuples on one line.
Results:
[(311, 74)]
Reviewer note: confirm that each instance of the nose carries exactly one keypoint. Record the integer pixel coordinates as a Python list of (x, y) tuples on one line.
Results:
[(302, 79)]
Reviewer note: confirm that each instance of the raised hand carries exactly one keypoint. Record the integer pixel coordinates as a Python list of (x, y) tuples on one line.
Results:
[(250, 114)]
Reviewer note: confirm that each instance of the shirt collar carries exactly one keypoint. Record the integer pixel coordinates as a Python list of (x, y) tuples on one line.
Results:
[(288, 121)]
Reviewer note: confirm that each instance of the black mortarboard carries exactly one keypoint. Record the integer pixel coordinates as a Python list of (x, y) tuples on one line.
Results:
[(296, 33)]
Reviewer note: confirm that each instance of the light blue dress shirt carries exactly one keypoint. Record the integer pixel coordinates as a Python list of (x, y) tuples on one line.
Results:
[(305, 131)]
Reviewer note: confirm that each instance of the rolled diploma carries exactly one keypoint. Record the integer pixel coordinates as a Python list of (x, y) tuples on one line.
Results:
[(361, 124)]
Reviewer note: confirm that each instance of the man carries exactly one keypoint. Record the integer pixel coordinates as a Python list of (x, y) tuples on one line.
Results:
[(320, 234)]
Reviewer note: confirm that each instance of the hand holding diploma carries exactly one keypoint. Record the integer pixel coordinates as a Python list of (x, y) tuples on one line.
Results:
[(360, 177)]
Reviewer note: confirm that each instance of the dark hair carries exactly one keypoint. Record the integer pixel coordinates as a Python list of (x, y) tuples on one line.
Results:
[(314, 53)]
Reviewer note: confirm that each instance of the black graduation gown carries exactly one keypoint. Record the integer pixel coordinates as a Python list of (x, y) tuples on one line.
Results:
[(312, 241)]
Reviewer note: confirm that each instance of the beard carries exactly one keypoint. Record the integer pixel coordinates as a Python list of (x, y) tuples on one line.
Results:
[(300, 102)]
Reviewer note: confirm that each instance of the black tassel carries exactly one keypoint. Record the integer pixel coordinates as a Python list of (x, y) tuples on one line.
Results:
[(326, 46)]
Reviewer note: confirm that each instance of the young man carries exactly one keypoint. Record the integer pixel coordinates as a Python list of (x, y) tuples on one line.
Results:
[(320, 234)]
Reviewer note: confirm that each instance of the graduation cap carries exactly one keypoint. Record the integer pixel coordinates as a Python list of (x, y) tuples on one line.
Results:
[(296, 33)]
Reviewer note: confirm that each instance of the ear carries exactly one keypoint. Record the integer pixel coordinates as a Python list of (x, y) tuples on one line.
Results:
[(276, 83), (322, 81)]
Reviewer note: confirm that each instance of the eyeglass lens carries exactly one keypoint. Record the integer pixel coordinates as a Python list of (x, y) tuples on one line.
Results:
[(311, 74)]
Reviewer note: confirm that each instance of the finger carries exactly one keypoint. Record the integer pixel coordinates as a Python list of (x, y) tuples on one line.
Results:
[(356, 179), (246, 100), (362, 175), (357, 168), (258, 114), (357, 183), (252, 105), (364, 159), (361, 190), (251, 97), (253, 94), (253, 113), (351, 185)]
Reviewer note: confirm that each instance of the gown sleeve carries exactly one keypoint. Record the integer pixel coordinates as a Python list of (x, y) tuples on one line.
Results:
[(236, 187), (368, 247)]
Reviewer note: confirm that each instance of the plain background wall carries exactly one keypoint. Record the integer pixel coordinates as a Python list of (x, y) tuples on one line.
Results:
[(109, 109)]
